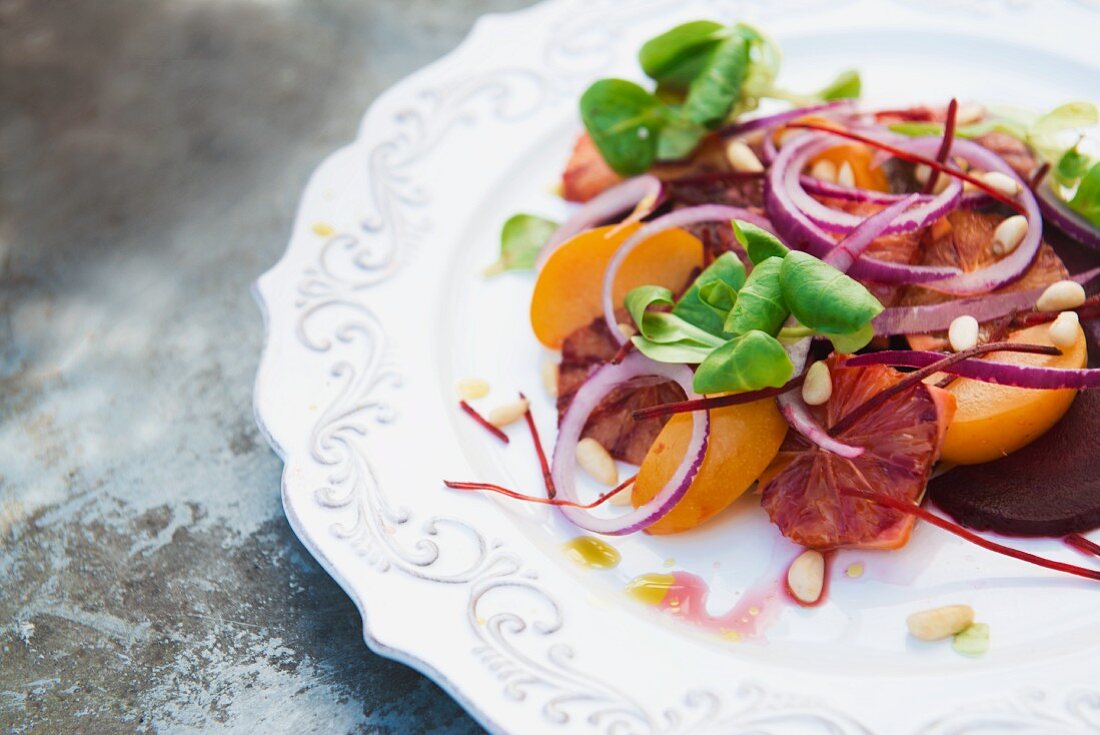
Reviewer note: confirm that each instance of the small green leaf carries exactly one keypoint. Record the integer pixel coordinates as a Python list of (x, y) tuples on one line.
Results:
[(823, 298), (677, 56), (846, 86), (1047, 134), (704, 304), (1071, 167), (1086, 202), (624, 121), (917, 129), (760, 305), (641, 298), (853, 341), (750, 361), (688, 353), (663, 327), (972, 641), (713, 93), (521, 239), (758, 242), (678, 139)]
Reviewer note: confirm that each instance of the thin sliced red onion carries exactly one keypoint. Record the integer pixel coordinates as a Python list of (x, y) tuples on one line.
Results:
[(678, 218), (1058, 214), (851, 194), (768, 150), (643, 194), (1012, 267), (771, 121), (792, 225), (598, 385), (786, 172), (938, 317), (798, 414), (851, 247), (988, 371)]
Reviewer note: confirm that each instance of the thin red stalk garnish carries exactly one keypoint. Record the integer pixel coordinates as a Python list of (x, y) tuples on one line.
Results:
[(914, 377), (547, 478), (705, 404), (945, 146), (623, 351), (913, 158), (926, 515), (454, 485), (1039, 175), (1090, 309), (483, 421), (1081, 543)]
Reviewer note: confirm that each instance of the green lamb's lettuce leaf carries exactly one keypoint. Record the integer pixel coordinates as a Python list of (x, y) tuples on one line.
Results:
[(1072, 165), (853, 341), (679, 137), (758, 242), (823, 298), (749, 361), (680, 353), (674, 58), (663, 336), (709, 299), (1046, 135), (760, 303), (713, 93), (1086, 201), (521, 239), (846, 86), (972, 641), (624, 122)]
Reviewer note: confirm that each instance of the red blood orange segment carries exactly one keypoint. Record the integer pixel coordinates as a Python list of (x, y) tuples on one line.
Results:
[(901, 438)]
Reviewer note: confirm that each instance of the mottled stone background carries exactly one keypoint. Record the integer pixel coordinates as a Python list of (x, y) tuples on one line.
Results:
[(151, 154)]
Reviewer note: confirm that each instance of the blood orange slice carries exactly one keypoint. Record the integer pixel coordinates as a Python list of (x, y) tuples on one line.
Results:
[(901, 439)]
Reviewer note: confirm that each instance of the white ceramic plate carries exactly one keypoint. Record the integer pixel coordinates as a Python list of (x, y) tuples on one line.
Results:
[(378, 307)]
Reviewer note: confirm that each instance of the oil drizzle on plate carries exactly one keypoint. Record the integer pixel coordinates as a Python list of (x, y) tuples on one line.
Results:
[(591, 552)]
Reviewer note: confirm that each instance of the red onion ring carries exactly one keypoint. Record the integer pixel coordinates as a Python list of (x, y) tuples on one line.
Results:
[(643, 194), (938, 317), (798, 231), (850, 194), (1057, 213), (678, 218), (851, 247), (987, 371), (772, 121), (601, 382)]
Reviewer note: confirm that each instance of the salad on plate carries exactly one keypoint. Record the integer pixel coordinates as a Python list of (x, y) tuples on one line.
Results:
[(870, 318)]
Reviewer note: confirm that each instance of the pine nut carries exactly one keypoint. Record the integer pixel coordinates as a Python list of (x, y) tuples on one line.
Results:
[(845, 176), (939, 622), (508, 413), (922, 172), (963, 333), (1000, 182), (741, 158), (627, 329), (1063, 331), (1061, 296), (550, 378), (942, 182), (818, 386), (1009, 234), (622, 498), (471, 388), (597, 462), (824, 170), (806, 576)]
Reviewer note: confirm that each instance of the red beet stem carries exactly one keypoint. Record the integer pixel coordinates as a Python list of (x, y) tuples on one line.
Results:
[(624, 350), (935, 520), (483, 421), (945, 146), (705, 404), (547, 478), (1081, 543), (1088, 310), (455, 485), (913, 158), (912, 378)]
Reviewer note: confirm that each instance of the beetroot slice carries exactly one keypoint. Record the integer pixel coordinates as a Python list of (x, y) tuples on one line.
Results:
[(1049, 488)]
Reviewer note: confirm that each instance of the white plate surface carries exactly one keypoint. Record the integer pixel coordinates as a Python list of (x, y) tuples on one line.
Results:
[(378, 307)]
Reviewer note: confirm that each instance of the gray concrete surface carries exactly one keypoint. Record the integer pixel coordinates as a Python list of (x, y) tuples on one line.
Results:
[(151, 155)]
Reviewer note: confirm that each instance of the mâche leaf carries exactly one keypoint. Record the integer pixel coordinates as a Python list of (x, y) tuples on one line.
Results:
[(749, 361), (685, 353), (712, 94), (853, 341), (624, 122), (674, 58), (709, 299), (760, 302), (679, 137), (521, 239), (1086, 201), (664, 327), (823, 298), (847, 85), (758, 242), (1071, 166)]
